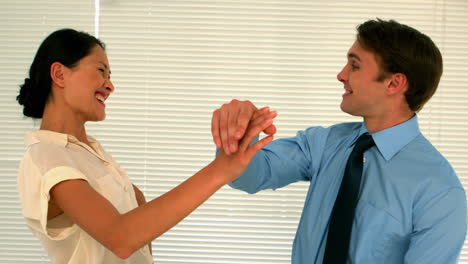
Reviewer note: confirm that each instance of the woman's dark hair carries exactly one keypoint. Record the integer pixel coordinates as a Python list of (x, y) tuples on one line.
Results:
[(66, 46), (402, 49)]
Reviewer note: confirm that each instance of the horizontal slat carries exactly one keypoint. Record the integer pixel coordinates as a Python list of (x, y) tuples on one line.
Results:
[(174, 62)]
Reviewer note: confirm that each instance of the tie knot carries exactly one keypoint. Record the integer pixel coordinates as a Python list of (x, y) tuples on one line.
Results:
[(363, 143)]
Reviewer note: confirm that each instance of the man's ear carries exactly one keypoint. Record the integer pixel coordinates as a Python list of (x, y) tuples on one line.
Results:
[(396, 83), (57, 71)]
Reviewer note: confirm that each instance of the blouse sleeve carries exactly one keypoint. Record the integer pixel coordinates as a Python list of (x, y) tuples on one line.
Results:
[(35, 180)]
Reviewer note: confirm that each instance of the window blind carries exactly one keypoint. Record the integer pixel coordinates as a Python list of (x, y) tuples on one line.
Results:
[(174, 62)]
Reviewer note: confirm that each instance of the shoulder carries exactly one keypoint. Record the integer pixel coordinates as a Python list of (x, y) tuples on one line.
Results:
[(429, 168), (425, 155), (317, 139), (343, 130), (332, 135), (46, 156), (335, 131)]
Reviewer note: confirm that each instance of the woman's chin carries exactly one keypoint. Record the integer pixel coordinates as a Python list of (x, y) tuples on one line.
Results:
[(97, 118)]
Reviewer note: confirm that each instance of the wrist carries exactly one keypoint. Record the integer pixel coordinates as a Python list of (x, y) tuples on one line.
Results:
[(221, 173)]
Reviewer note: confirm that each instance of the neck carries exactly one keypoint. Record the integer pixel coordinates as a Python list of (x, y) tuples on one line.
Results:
[(378, 123), (57, 120)]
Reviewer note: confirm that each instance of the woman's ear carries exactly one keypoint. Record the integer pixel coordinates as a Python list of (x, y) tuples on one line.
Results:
[(396, 83), (57, 71)]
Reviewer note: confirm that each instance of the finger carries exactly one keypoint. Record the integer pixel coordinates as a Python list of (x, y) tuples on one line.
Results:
[(243, 120), (245, 113), (234, 109), (223, 123), (253, 149), (262, 117), (256, 126), (265, 118), (260, 111), (215, 128), (271, 130)]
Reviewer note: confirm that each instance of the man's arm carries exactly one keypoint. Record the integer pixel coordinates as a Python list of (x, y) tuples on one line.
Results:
[(439, 229), (283, 162)]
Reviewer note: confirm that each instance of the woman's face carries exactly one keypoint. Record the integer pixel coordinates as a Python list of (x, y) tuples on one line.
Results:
[(87, 86)]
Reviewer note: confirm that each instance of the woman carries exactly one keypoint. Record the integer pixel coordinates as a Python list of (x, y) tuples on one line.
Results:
[(75, 197)]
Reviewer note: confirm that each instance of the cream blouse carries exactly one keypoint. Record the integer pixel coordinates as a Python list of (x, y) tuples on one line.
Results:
[(53, 157)]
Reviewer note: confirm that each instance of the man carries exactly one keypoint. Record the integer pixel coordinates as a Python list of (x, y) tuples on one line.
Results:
[(410, 205)]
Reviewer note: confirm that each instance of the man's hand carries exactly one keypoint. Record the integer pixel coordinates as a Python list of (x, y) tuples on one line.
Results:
[(229, 123), (232, 166)]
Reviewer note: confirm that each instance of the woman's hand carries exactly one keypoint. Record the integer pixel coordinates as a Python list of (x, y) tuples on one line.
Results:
[(231, 121), (234, 164)]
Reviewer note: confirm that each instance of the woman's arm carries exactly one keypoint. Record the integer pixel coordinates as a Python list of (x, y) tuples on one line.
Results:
[(140, 198), (123, 234)]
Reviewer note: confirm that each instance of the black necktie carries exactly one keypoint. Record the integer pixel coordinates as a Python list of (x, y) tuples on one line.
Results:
[(341, 221)]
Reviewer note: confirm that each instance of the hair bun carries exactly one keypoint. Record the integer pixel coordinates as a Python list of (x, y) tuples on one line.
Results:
[(27, 99), (27, 81), (25, 89)]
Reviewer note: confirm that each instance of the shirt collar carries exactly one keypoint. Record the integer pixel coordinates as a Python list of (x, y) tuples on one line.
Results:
[(391, 140), (48, 136)]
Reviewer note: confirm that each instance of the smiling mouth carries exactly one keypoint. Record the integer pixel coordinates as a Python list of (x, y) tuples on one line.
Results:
[(347, 91), (100, 97)]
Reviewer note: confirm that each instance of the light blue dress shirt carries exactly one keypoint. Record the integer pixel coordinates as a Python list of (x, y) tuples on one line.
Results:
[(412, 206)]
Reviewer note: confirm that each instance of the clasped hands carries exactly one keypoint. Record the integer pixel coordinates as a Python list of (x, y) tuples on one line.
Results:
[(234, 126), (236, 122)]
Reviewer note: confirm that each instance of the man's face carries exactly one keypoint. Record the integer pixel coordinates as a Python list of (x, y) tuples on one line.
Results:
[(364, 95)]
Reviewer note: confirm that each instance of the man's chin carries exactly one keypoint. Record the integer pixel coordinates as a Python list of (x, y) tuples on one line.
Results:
[(345, 108), (348, 110)]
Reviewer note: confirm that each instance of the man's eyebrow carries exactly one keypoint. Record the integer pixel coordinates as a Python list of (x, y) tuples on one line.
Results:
[(354, 55)]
